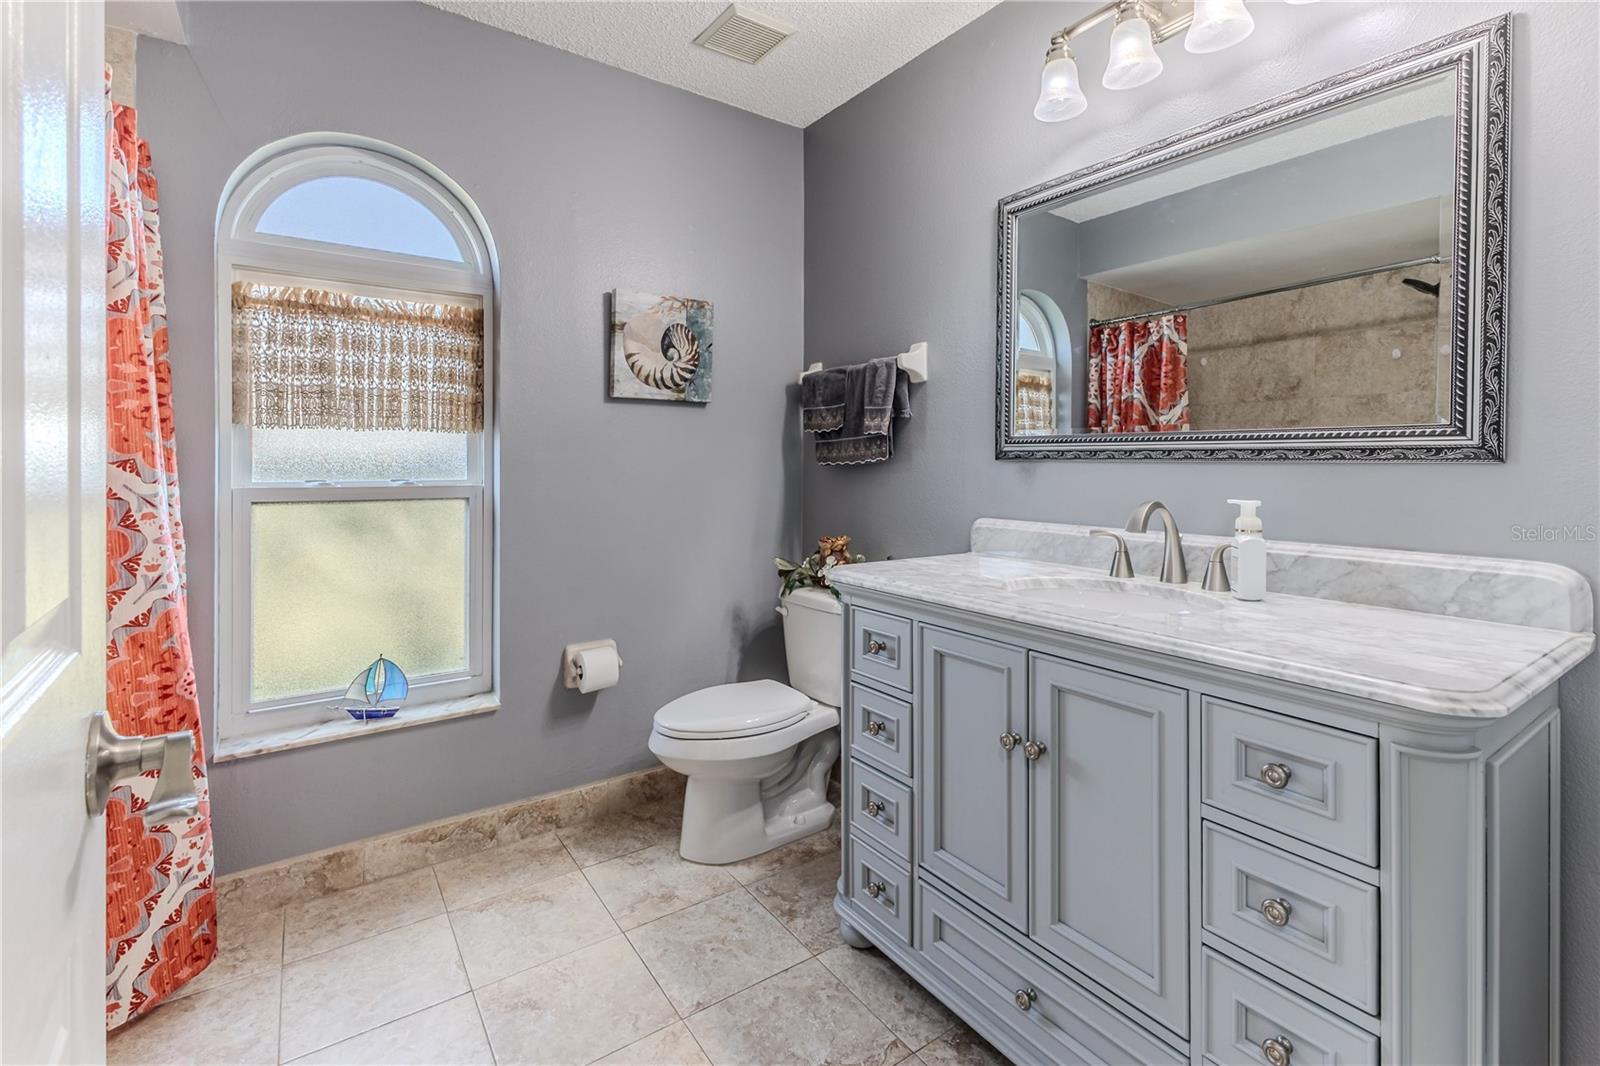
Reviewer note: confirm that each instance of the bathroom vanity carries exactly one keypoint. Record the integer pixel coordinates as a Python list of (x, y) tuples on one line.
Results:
[(1120, 821)]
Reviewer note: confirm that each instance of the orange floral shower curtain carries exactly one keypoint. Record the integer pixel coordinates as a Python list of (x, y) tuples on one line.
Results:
[(1139, 376), (161, 923)]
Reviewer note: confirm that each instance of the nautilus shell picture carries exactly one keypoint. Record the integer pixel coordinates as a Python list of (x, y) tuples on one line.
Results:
[(660, 347)]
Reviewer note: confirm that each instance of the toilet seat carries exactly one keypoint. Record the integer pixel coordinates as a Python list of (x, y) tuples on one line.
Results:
[(725, 712)]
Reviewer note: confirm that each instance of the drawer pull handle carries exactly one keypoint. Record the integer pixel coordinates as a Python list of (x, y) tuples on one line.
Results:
[(874, 727), (1275, 911), (1277, 1050), (876, 888), (1275, 775), (1010, 740), (1024, 998), (874, 808), (876, 646), (1033, 749)]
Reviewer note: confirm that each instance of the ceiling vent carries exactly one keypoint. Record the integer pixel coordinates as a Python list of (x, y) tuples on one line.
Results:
[(744, 34)]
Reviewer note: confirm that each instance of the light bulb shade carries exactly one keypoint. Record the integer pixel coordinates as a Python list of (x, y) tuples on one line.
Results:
[(1060, 95), (1217, 24), (1133, 56)]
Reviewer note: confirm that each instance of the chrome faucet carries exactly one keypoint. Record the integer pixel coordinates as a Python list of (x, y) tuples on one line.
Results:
[(1173, 572)]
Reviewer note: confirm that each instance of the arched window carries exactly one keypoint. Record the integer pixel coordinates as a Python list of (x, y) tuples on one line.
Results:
[(355, 337), (1034, 398)]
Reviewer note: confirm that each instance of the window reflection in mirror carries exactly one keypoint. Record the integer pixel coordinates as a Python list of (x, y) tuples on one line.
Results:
[(1298, 278)]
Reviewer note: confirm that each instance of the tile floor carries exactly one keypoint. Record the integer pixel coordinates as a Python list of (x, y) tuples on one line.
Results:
[(590, 944)]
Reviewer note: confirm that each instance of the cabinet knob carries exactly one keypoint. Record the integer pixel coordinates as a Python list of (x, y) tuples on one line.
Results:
[(1275, 775), (874, 727), (874, 808), (1010, 740), (876, 888), (1033, 749), (1277, 1050), (1024, 998), (876, 646), (1275, 911)]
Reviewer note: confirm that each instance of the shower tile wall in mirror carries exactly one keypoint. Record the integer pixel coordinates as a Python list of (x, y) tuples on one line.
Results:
[(1320, 276)]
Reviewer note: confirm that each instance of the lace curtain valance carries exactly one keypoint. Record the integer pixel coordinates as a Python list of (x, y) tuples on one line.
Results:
[(306, 358)]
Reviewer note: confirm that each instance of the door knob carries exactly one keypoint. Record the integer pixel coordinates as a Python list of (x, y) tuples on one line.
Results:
[(1277, 1050), (1275, 775), (876, 888), (874, 727), (1276, 911), (1024, 998), (112, 758), (1033, 749), (1010, 740)]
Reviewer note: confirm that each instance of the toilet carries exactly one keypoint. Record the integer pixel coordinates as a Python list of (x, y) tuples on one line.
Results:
[(758, 753)]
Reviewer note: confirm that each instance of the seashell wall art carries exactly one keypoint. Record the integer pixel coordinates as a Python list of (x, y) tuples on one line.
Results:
[(660, 348)]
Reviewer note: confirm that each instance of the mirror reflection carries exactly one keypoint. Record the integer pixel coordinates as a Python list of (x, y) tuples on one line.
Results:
[(1299, 278)]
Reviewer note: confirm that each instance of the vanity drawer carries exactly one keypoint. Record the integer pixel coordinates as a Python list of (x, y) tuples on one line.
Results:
[(1243, 1012), (881, 888), (1304, 779), (880, 729), (880, 647), (1317, 924), (880, 807), (1060, 1018)]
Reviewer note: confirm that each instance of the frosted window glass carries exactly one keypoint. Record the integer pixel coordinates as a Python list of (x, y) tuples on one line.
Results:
[(357, 455), (334, 585), (1026, 339), (361, 213)]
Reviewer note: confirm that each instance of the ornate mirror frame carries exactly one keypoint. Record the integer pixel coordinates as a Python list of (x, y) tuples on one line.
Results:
[(1476, 430)]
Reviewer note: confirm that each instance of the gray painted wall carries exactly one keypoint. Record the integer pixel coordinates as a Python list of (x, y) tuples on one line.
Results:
[(901, 186), (590, 178)]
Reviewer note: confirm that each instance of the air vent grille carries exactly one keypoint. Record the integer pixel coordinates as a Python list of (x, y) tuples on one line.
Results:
[(744, 34)]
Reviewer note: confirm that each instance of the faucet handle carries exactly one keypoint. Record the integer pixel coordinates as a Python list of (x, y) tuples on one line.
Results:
[(1216, 579), (1121, 562)]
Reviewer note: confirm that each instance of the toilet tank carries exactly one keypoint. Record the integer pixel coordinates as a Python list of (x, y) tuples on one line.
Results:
[(813, 639)]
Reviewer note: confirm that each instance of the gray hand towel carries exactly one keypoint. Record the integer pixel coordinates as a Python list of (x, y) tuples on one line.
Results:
[(854, 410)]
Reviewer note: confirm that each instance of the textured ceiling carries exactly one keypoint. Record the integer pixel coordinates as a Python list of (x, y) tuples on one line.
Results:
[(838, 48)]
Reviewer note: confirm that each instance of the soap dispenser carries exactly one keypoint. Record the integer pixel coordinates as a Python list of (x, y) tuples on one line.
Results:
[(1250, 552)]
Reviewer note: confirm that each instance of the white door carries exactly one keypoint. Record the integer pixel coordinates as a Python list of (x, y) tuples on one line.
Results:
[(52, 530)]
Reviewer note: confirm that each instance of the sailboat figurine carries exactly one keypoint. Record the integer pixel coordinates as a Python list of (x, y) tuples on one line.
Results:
[(377, 692)]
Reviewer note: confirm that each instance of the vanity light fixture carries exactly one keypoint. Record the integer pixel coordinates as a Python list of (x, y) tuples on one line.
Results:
[(1139, 26)]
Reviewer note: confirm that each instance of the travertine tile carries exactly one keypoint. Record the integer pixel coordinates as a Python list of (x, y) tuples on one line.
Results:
[(802, 899), (339, 993), (532, 925), (618, 833), (910, 1012), (498, 870), (332, 921), (574, 1009), (961, 1047), (797, 853), (233, 1023), (645, 885), (803, 1016), (247, 943), (449, 1034), (715, 948), (294, 880), (672, 1046)]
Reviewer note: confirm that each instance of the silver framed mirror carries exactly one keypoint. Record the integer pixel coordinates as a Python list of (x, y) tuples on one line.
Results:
[(1322, 276)]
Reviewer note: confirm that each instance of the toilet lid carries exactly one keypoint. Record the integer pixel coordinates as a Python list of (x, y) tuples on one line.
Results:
[(725, 711)]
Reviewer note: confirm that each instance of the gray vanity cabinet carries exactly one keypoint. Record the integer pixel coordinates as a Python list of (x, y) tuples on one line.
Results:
[(972, 806), (1108, 833)]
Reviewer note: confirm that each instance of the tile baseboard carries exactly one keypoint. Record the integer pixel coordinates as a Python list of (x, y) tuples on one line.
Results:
[(360, 862)]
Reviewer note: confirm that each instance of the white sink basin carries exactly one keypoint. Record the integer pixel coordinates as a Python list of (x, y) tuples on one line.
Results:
[(1106, 595)]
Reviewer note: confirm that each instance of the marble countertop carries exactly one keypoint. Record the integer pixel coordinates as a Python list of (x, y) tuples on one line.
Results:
[(1436, 663)]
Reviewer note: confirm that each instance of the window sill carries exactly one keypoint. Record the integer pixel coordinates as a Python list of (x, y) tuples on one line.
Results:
[(304, 736)]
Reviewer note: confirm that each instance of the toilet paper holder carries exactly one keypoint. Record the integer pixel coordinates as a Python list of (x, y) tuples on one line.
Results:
[(571, 671)]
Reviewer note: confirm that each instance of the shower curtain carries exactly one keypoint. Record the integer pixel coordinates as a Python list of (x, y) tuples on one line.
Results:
[(1139, 376), (161, 925)]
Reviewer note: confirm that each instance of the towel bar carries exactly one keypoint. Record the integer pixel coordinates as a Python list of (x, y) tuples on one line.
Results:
[(913, 361)]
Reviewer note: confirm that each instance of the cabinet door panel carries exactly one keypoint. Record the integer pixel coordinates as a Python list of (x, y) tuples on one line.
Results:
[(972, 792), (1109, 832)]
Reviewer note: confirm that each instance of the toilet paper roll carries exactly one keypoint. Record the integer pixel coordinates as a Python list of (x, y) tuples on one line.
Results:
[(600, 668)]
